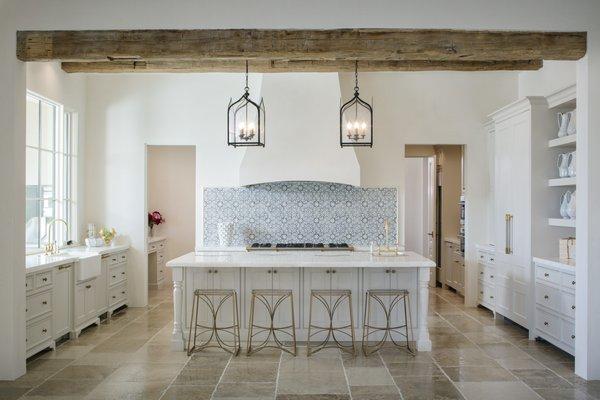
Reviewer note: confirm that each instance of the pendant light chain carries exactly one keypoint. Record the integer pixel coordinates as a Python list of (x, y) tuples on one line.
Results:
[(246, 88), (356, 76)]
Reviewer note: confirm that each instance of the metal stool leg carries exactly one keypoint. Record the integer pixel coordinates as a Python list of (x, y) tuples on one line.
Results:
[(326, 298)]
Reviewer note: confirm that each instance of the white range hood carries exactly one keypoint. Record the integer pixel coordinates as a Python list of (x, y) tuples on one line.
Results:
[(302, 133)]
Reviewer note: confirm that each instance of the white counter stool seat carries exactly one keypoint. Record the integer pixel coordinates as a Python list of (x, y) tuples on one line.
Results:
[(331, 300), (215, 300), (272, 299), (393, 297)]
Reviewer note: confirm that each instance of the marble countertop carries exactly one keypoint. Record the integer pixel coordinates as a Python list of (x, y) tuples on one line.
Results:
[(40, 262), (560, 263), (155, 239), (314, 259)]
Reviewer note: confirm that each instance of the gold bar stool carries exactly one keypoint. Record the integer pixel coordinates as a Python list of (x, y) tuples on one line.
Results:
[(331, 299), (215, 300), (271, 299), (395, 296)]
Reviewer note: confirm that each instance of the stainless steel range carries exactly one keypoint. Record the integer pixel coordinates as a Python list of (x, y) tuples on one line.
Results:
[(300, 247)]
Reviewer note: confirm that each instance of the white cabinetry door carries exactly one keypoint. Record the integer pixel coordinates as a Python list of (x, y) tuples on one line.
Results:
[(85, 301), (287, 278), (63, 289), (226, 278), (102, 288)]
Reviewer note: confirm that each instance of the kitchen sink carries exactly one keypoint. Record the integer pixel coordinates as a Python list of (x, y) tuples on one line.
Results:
[(88, 266)]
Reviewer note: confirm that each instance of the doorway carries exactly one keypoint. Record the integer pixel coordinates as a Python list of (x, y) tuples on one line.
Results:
[(171, 190), (434, 205)]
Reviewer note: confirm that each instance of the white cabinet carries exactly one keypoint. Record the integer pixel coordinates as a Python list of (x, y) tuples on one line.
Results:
[(156, 261), (113, 293), (555, 305), (454, 267), (63, 300), (102, 288), (487, 278), (85, 305)]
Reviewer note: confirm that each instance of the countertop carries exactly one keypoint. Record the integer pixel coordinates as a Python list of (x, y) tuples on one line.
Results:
[(155, 239), (555, 262), (40, 262), (283, 259), (486, 247)]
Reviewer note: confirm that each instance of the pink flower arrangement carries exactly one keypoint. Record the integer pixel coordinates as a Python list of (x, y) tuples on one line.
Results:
[(155, 218)]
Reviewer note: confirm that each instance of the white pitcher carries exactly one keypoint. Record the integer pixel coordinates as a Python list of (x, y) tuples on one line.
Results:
[(572, 206), (563, 123), (564, 202), (562, 162), (572, 168), (572, 128)]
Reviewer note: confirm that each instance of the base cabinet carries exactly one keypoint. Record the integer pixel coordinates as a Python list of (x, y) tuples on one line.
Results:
[(62, 300), (555, 306), (488, 293), (85, 303)]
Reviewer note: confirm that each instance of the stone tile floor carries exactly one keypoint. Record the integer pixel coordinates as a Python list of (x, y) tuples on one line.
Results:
[(474, 357)]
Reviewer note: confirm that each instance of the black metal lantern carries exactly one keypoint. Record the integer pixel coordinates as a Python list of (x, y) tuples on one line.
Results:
[(246, 120), (356, 119)]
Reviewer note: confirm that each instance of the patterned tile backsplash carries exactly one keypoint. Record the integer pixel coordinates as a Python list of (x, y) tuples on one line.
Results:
[(300, 212)]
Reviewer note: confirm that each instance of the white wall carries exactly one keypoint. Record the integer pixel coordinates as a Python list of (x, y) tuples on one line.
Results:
[(114, 14), (172, 191), (49, 80), (553, 76)]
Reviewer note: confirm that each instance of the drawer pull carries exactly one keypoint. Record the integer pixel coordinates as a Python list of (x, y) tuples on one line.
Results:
[(492, 276), (122, 292), (161, 270), (572, 336), (88, 286), (274, 271), (210, 271), (114, 297), (123, 273), (64, 267), (480, 272), (45, 279), (546, 323), (269, 271), (491, 259), (44, 330), (26, 309), (44, 302), (481, 292), (572, 307), (546, 296), (216, 271), (491, 297), (546, 274), (572, 282), (387, 271), (114, 276)]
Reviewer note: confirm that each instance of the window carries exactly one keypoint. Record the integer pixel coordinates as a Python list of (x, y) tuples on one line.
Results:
[(51, 172)]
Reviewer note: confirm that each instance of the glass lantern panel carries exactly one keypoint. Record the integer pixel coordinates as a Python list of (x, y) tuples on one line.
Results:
[(244, 123), (356, 124)]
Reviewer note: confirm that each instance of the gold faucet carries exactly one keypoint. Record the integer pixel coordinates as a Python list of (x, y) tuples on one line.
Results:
[(51, 248)]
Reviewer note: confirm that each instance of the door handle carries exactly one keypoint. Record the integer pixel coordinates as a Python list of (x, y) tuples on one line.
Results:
[(430, 233), (506, 248)]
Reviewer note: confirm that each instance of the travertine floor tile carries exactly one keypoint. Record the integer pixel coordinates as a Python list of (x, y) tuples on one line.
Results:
[(563, 394), (243, 372), (478, 374), (245, 390), (542, 379), (375, 393), (369, 376), (128, 390), (424, 388), (140, 372), (497, 391), (203, 392)]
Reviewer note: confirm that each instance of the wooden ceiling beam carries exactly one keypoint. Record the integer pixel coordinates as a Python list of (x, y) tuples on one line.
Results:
[(295, 66), (335, 44)]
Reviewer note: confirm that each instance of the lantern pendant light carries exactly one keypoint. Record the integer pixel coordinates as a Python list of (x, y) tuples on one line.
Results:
[(356, 119), (246, 120)]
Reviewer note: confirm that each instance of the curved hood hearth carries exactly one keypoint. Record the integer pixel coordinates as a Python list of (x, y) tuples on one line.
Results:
[(302, 133)]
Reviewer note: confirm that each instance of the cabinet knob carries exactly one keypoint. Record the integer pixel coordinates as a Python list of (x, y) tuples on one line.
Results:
[(546, 296), (481, 292), (210, 271), (492, 276), (26, 309), (572, 336), (122, 292), (480, 272), (546, 323), (88, 286), (114, 297), (491, 259), (44, 330), (572, 307), (114, 276), (491, 297), (161, 270), (44, 302), (572, 282), (123, 273), (333, 271), (45, 279), (216, 271), (546, 274), (387, 271), (274, 271), (269, 271)]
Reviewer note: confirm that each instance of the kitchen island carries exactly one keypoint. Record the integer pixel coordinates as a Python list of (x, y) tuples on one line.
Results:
[(300, 271)]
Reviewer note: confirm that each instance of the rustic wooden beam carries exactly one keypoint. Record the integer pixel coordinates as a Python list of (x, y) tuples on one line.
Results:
[(335, 44), (295, 66)]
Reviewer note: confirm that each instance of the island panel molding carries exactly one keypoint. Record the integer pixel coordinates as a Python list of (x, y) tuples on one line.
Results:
[(301, 44), (300, 212)]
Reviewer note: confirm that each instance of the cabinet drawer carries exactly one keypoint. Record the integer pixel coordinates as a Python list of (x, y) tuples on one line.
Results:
[(38, 332), (160, 258), (548, 323), (29, 282), (568, 281), (568, 305), (117, 294), (486, 293), (160, 272), (568, 333), (117, 274), (547, 296), (113, 259), (43, 279), (548, 275), (38, 304)]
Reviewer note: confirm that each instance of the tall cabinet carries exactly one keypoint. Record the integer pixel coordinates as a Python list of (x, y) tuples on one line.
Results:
[(521, 198)]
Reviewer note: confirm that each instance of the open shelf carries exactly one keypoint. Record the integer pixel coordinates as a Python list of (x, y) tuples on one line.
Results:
[(569, 223), (565, 141), (571, 181)]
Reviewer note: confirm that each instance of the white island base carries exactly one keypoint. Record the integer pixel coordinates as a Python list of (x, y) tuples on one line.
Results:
[(301, 272)]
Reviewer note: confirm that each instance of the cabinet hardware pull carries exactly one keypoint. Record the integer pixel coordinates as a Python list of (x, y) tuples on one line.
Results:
[(546, 274), (333, 272), (387, 271), (492, 276), (88, 286), (491, 259), (64, 267), (480, 292), (215, 271), (546, 323), (572, 307), (572, 282), (123, 273), (122, 292), (274, 271), (480, 272), (572, 336), (393, 271), (45, 279), (269, 271), (327, 271), (210, 271), (26, 309), (491, 297), (44, 302), (44, 330), (114, 276), (546, 296), (161, 270), (114, 297)]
